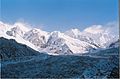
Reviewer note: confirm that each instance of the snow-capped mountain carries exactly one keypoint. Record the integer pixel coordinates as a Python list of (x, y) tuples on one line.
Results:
[(36, 37), (98, 37), (56, 43), (75, 33), (7, 32), (18, 29), (64, 43)]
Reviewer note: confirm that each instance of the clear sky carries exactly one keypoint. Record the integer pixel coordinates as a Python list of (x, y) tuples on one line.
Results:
[(60, 14)]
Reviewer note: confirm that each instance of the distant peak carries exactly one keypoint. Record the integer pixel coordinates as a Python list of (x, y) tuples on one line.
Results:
[(75, 30), (21, 26), (56, 33), (35, 29)]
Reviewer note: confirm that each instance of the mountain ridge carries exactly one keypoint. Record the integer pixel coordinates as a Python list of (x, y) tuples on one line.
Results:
[(56, 43)]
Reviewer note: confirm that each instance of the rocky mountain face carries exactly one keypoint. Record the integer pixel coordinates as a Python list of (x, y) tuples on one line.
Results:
[(56, 43), (36, 37), (10, 49), (20, 61), (114, 44)]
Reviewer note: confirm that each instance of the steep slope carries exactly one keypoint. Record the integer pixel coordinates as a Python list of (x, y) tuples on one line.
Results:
[(10, 49), (93, 35), (15, 32), (36, 37), (114, 44), (18, 29), (75, 33), (59, 43)]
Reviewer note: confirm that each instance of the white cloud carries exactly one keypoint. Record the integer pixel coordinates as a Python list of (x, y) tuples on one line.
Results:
[(110, 28), (30, 25), (94, 29)]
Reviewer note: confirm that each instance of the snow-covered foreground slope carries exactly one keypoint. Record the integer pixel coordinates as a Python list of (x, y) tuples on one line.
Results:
[(56, 43), (20, 61)]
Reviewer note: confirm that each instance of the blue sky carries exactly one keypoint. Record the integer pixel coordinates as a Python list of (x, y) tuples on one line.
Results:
[(60, 14)]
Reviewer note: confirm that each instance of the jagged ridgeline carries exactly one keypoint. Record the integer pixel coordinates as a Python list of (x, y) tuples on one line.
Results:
[(21, 61), (70, 42)]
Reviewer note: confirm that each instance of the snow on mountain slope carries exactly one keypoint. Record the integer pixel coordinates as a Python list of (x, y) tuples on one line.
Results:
[(75, 33), (22, 26), (60, 43), (56, 44), (95, 35), (70, 42), (3, 33), (19, 40), (18, 29), (4, 27), (102, 39), (104, 35), (36, 37)]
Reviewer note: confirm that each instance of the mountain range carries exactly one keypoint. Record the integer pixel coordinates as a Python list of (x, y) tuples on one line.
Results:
[(28, 52), (69, 42)]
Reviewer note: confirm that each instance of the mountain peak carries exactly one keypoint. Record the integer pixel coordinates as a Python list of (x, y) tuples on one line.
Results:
[(56, 34), (21, 26), (41, 32), (73, 33), (75, 29)]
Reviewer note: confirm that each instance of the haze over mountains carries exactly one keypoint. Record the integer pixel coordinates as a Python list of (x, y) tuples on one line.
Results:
[(70, 42)]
